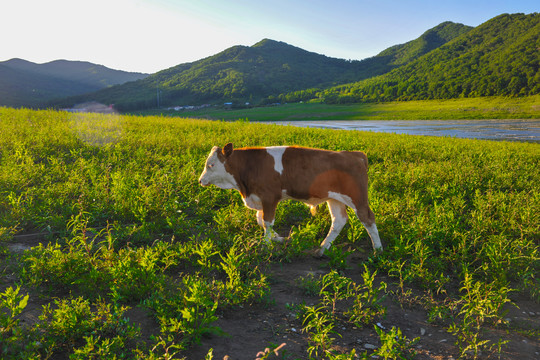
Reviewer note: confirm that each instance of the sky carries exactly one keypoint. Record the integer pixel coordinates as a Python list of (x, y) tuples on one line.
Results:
[(152, 35)]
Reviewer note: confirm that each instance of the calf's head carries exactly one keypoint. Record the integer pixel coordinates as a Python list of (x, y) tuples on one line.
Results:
[(215, 171)]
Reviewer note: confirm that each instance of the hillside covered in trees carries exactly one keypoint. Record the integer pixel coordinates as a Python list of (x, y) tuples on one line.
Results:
[(24, 83), (499, 57), (257, 73)]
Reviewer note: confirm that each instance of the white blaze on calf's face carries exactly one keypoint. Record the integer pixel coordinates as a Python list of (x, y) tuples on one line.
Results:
[(215, 173)]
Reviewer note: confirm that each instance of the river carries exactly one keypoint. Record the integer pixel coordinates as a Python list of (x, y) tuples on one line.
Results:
[(510, 130)]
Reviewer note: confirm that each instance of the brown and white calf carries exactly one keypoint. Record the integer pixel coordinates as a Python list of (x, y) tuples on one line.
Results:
[(265, 176)]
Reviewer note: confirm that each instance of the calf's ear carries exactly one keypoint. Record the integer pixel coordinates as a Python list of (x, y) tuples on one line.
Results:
[(227, 150)]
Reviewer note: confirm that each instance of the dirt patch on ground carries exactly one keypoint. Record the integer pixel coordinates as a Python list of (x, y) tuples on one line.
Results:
[(252, 329), (248, 330)]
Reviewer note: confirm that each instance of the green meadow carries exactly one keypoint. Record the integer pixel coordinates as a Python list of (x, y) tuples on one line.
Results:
[(124, 228), (452, 109)]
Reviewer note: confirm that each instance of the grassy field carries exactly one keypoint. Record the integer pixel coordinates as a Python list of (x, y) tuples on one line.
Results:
[(454, 109), (132, 259)]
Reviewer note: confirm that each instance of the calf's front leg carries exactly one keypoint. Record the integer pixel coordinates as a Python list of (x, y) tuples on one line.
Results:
[(265, 218)]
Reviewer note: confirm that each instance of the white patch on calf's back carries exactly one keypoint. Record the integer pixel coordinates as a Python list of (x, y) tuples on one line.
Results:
[(277, 153)]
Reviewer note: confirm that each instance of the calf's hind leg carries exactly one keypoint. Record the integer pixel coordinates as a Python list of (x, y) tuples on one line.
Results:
[(367, 218), (338, 211)]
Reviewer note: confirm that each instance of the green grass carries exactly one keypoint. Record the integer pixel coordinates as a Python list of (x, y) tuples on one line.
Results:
[(454, 109), (129, 226)]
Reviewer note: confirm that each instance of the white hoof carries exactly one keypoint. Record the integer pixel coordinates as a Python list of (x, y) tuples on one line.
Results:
[(319, 252), (278, 239)]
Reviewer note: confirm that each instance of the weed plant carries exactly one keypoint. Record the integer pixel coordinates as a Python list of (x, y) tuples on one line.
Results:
[(319, 321), (128, 225), (11, 305)]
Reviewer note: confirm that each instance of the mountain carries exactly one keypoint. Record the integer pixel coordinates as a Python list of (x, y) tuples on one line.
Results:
[(394, 57), (258, 72), (499, 57), (430, 40), (24, 83), (240, 73), (22, 88)]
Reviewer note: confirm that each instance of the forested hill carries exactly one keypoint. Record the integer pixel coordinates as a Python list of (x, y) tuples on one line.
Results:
[(23, 88), (257, 73), (83, 72), (24, 83), (391, 58), (499, 57), (433, 38), (240, 73)]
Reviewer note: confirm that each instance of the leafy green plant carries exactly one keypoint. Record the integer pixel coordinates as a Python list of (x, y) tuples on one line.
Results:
[(480, 304), (334, 288), (319, 321), (441, 313), (243, 282), (302, 238), (394, 345), (134, 274), (188, 313), (337, 258), (368, 299), (98, 348), (72, 321), (320, 328), (162, 350), (397, 268), (199, 311), (11, 306), (309, 284), (205, 252)]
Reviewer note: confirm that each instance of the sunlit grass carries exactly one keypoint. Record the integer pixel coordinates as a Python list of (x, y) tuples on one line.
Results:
[(128, 224)]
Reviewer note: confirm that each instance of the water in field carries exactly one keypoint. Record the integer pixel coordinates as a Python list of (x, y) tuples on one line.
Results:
[(510, 130)]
